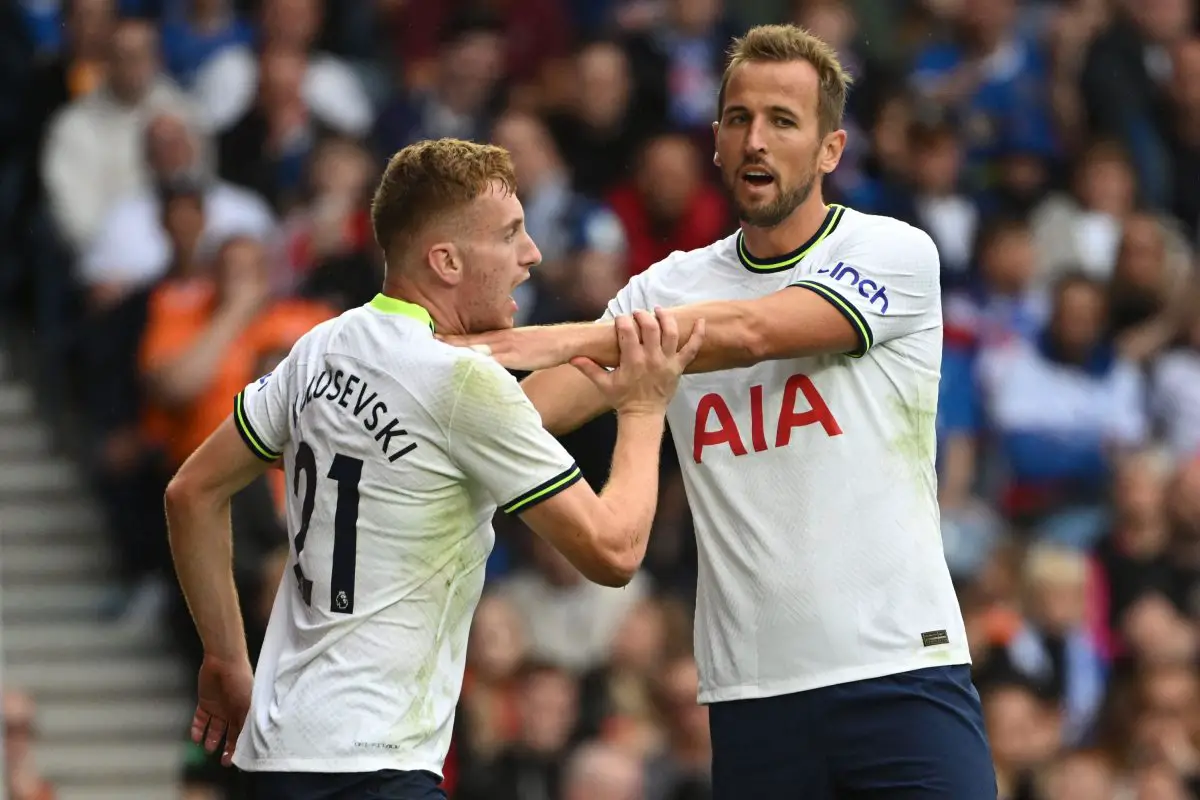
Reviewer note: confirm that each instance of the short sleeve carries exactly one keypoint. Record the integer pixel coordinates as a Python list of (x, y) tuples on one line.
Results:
[(887, 286), (496, 437), (260, 411)]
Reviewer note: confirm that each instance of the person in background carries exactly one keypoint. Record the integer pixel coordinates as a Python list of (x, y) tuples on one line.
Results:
[(1175, 387), (668, 205), (457, 101), (132, 251), (600, 130), (22, 778), (532, 766), (683, 763), (940, 207), (326, 241), (1054, 649), (601, 772), (1023, 732), (1062, 406), (93, 153), (200, 343), (268, 148), (571, 621), (229, 82), (197, 32)]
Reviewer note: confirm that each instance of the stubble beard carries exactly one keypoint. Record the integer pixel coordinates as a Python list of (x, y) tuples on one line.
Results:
[(779, 209)]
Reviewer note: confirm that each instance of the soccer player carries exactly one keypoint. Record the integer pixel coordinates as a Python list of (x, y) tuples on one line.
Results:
[(398, 449), (829, 639)]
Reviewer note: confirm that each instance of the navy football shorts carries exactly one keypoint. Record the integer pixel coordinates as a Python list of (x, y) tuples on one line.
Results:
[(912, 736), (388, 784)]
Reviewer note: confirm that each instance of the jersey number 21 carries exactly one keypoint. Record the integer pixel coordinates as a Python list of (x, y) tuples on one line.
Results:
[(346, 471)]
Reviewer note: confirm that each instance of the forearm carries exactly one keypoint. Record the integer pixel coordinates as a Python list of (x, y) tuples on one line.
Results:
[(187, 375), (732, 336), (631, 495), (202, 548), (565, 398)]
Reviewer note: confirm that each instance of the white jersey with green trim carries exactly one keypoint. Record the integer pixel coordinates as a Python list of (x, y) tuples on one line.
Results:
[(398, 449), (811, 480)]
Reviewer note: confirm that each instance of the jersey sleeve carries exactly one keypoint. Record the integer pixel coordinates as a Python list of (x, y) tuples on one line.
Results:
[(496, 437), (260, 411), (887, 287)]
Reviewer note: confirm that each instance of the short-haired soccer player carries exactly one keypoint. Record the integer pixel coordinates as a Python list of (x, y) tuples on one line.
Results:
[(398, 449), (828, 636)]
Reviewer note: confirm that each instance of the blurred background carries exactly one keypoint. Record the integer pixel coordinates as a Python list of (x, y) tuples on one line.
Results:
[(183, 192)]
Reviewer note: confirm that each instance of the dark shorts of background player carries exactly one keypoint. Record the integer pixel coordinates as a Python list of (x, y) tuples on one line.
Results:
[(388, 784), (911, 736)]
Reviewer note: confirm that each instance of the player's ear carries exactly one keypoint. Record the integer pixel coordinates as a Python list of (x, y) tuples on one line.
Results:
[(832, 148), (445, 259), (716, 156)]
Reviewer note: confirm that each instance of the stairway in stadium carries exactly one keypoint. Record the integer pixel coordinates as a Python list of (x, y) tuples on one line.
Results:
[(111, 700)]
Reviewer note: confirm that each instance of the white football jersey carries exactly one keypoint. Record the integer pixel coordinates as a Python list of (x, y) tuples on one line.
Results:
[(397, 450), (811, 480)]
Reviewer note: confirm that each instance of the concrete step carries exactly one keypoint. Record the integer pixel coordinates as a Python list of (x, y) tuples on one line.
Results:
[(28, 560), (39, 476), (102, 678), (71, 640), (47, 604), (109, 762), (16, 400), (26, 517), (165, 791), (131, 719), (24, 440)]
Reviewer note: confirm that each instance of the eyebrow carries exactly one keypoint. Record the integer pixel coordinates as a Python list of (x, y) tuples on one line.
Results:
[(515, 225), (784, 110)]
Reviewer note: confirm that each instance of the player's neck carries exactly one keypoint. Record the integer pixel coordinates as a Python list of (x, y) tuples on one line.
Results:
[(793, 232), (445, 320)]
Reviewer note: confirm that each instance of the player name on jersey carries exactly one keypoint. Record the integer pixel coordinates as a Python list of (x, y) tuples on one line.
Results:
[(354, 394)]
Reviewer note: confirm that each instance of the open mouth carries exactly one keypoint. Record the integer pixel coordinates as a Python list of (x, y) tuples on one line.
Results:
[(758, 177)]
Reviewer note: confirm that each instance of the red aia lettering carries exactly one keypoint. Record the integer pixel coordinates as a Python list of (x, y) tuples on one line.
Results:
[(726, 429)]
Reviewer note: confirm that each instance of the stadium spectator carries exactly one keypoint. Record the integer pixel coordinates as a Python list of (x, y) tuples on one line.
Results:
[(1083, 230), (939, 205), (994, 81), (668, 205), (22, 778), (681, 766), (202, 336), (1060, 405), (535, 39), (328, 251), (131, 250), (600, 130), (582, 242), (197, 32), (228, 83), (532, 766), (597, 771), (457, 101), (93, 155), (489, 713), (571, 621), (1054, 649), (1125, 84), (1175, 392), (266, 150)]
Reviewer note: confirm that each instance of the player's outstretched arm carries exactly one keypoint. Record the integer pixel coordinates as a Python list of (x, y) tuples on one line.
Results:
[(793, 322), (197, 505), (605, 535)]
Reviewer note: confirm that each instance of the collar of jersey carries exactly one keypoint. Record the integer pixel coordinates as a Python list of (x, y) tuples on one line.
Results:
[(780, 263), (391, 305)]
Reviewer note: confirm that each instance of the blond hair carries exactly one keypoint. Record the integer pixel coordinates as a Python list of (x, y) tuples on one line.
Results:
[(430, 179), (783, 43)]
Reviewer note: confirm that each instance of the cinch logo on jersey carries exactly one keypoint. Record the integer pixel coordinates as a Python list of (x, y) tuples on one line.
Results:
[(874, 292), (328, 385)]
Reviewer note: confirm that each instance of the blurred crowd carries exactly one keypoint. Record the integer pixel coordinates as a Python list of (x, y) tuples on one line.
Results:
[(184, 189)]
